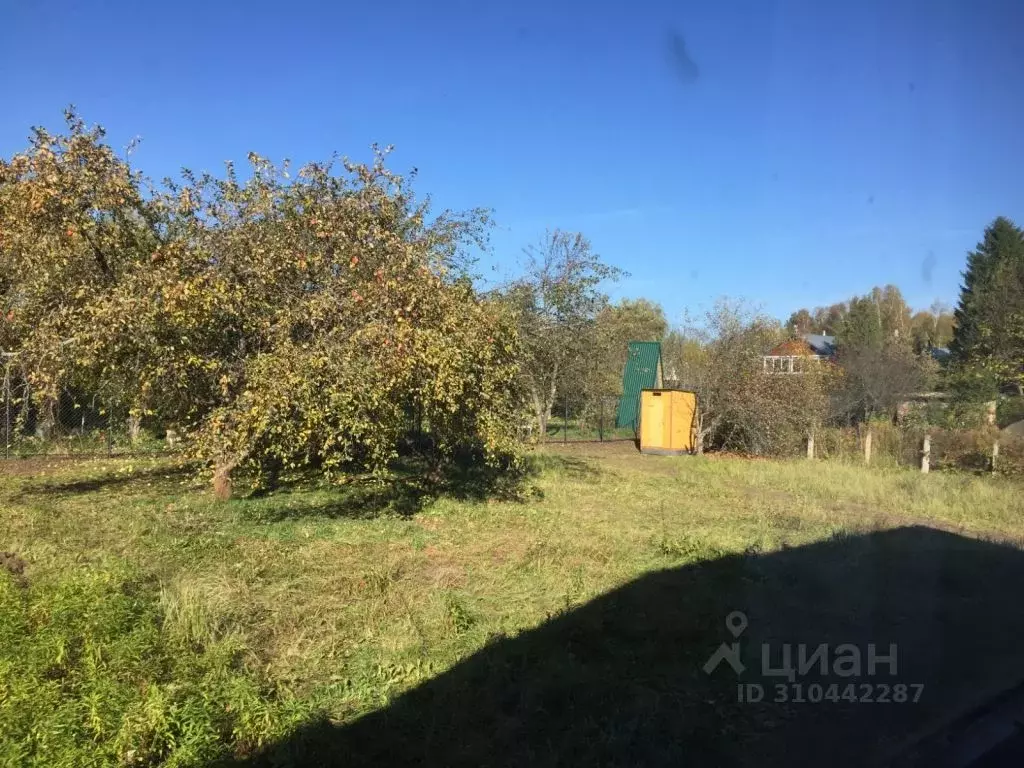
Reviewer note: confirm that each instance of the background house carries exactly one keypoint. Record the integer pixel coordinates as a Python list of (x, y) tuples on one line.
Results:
[(795, 355)]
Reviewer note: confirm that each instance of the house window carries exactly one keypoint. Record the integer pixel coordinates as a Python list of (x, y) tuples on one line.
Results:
[(789, 363)]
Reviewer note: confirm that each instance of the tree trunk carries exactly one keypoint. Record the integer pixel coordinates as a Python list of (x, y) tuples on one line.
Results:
[(222, 487), (542, 410), (46, 422), (704, 428), (550, 404), (134, 426), (542, 415)]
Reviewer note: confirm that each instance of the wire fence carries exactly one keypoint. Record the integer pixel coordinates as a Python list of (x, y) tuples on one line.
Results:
[(589, 421), (922, 447), (74, 423), (82, 424)]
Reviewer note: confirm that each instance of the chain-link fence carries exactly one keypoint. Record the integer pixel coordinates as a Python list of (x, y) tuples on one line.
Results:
[(74, 423), (579, 420)]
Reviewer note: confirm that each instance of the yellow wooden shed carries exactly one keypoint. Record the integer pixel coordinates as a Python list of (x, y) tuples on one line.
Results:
[(667, 419)]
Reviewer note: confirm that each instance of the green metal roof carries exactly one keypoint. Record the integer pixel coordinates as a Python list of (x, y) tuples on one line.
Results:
[(643, 371)]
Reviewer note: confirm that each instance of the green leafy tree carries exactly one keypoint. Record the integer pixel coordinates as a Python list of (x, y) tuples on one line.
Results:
[(894, 311), (557, 301), (932, 327), (280, 322), (877, 318), (862, 326), (74, 224), (825, 320), (617, 325), (800, 322)]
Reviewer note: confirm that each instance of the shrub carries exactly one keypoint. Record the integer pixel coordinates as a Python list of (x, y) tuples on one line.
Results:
[(89, 675), (1011, 455), (1009, 410), (836, 443), (740, 407), (963, 449), (967, 450)]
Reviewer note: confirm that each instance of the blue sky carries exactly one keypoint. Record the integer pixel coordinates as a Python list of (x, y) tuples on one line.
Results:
[(798, 152)]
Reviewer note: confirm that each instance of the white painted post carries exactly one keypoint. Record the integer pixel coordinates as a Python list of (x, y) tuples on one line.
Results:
[(990, 412), (867, 447), (995, 454), (810, 445), (926, 453)]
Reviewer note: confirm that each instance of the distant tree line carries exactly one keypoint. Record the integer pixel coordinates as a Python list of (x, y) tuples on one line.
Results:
[(984, 335), (926, 329), (885, 351)]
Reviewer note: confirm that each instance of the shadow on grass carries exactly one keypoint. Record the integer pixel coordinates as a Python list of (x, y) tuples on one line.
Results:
[(621, 680), (568, 466), (410, 487), (112, 480)]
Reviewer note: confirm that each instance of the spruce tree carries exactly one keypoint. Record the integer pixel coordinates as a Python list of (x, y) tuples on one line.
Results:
[(1003, 242), (989, 334)]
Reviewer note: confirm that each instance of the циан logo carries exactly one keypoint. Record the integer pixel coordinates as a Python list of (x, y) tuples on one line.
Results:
[(736, 623)]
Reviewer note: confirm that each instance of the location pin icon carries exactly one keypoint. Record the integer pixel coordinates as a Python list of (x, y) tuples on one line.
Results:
[(736, 622)]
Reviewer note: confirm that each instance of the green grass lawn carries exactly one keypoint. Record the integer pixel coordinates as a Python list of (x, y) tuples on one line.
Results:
[(143, 623), (560, 429)]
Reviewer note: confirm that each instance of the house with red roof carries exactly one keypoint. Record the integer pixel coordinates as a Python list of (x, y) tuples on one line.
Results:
[(799, 354)]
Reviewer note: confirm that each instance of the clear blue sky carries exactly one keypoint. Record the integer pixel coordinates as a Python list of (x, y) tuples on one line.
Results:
[(807, 151)]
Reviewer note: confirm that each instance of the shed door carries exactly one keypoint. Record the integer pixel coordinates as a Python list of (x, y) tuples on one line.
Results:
[(652, 420), (682, 421)]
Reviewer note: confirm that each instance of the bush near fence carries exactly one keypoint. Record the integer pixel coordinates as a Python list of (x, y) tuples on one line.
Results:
[(75, 423), (968, 450)]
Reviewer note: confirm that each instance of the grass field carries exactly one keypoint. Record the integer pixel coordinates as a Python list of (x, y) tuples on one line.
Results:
[(143, 623)]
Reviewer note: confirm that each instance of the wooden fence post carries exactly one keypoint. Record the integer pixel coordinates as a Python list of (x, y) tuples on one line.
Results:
[(926, 453), (995, 455), (867, 447), (565, 418), (810, 445), (7, 409)]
